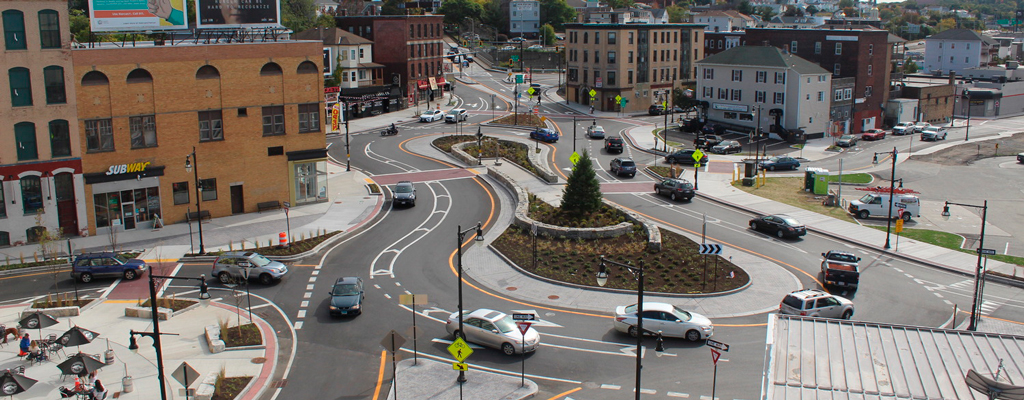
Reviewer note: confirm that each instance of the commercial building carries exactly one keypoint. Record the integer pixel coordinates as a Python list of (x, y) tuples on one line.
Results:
[(240, 121), (524, 18), (40, 166), (638, 64), (957, 50), (751, 87)]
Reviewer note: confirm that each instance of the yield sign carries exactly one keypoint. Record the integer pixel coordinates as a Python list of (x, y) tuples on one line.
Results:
[(523, 326), (715, 355)]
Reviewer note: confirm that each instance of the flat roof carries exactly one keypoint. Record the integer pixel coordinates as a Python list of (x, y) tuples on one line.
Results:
[(818, 358)]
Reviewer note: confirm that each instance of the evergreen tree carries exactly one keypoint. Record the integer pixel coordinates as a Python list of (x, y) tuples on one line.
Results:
[(582, 193)]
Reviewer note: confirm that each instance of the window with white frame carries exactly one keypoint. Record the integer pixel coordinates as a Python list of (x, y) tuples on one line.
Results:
[(817, 47), (723, 94), (847, 93), (867, 92), (821, 96), (838, 96), (709, 73), (779, 98), (792, 46), (759, 96), (780, 78), (839, 49), (762, 76), (737, 95), (869, 69), (737, 75), (708, 92)]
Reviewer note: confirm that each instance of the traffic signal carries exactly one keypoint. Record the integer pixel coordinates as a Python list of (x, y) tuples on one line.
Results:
[(510, 61)]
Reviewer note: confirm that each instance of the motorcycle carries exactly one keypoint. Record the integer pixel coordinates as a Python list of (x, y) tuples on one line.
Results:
[(389, 131)]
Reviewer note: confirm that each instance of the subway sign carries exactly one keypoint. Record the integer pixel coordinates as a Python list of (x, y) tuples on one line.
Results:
[(127, 168)]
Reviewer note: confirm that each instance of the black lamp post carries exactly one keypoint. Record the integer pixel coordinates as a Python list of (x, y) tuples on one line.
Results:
[(979, 274), (967, 95), (204, 295), (638, 274), (892, 191), (462, 235), (192, 165)]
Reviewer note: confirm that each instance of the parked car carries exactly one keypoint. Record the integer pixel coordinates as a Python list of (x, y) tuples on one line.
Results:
[(780, 224), (780, 162), (544, 134), (535, 47), (840, 268), (711, 128), (846, 141), (1020, 157), (622, 166), (494, 329), (237, 265), (595, 132), (516, 40), (727, 147), (656, 109), (613, 144), (903, 128), (706, 141), (87, 266), (675, 189), (920, 126), (668, 319), (685, 157), (456, 115), (816, 303), (508, 48), (405, 193), (346, 297), (431, 116), (933, 133), (873, 134)]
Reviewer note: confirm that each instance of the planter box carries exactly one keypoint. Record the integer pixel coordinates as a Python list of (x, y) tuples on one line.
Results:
[(56, 312), (162, 313), (213, 339)]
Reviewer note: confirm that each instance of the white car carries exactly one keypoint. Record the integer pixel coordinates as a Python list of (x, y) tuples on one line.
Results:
[(431, 116), (816, 303), (668, 319), (535, 47), (903, 128), (595, 132), (920, 126), (508, 48), (494, 329)]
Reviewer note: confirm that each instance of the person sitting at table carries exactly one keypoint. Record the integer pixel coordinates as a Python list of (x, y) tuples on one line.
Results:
[(98, 391), (34, 353), (23, 345)]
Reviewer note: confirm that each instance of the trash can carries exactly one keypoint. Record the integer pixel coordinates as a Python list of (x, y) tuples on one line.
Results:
[(821, 182)]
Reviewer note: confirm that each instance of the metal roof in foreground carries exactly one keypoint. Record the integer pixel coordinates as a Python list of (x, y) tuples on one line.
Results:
[(816, 358)]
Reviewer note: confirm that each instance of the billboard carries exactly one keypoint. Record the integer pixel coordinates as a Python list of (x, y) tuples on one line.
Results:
[(237, 13), (137, 15)]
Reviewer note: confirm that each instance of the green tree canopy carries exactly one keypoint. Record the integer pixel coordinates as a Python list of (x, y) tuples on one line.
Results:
[(745, 7), (811, 10), (677, 14), (582, 193), (548, 33), (298, 15), (556, 13), (493, 16), (456, 11), (391, 7), (845, 3)]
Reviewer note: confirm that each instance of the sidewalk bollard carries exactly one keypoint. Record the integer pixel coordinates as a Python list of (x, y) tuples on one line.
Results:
[(282, 240), (127, 386)]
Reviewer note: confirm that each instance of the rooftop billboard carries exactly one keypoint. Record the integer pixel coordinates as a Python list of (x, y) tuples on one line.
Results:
[(137, 15), (238, 13)]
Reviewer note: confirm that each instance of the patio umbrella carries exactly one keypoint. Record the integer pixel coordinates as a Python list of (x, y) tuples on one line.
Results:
[(37, 321), (80, 364), (12, 383), (77, 336)]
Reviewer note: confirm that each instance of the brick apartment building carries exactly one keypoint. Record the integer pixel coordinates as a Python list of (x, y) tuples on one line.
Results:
[(410, 47), (640, 63), (40, 166), (252, 112), (859, 51)]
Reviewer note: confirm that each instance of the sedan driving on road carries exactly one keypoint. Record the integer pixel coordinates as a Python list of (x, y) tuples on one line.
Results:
[(431, 116), (494, 329), (846, 141), (781, 162), (595, 132), (684, 157), (727, 147), (346, 297), (544, 134), (781, 225), (675, 189), (873, 134), (668, 319), (903, 128)]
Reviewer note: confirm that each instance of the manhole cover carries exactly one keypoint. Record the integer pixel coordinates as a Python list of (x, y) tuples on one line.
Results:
[(553, 297), (511, 288), (259, 360)]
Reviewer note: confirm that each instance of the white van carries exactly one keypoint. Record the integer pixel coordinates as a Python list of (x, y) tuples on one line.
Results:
[(877, 204)]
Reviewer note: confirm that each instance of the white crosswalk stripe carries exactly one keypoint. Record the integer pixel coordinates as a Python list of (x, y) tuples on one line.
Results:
[(987, 307)]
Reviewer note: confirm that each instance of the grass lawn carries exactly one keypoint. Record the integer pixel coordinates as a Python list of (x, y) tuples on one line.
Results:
[(950, 241), (852, 178), (791, 191)]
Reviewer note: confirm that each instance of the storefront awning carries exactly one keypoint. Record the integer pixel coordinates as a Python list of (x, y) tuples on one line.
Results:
[(306, 154)]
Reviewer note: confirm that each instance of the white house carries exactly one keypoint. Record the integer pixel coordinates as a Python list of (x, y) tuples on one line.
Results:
[(723, 21), (747, 87), (524, 18), (346, 51), (956, 50)]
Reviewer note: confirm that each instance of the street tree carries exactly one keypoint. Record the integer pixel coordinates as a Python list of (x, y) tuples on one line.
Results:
[(582, 193), (548, 33), (677, 14), (391, 7), (298, 15), (556, 13), (456, 11)]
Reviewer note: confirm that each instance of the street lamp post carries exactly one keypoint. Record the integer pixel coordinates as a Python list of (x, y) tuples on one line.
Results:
[(892, 191), (462, 235), (348, 153), (967, 95), (638, 274), (192, 164), (979, 274), (204, 295)]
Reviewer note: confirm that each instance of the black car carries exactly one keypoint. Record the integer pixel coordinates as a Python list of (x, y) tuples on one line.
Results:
[(656, 109), (613, 144), (675, 189), (684, 157), (106, 264), (622, 166), (1020, 157), (346, 297), (706, 141), (405, 193), (727, 147), (781, 162), (781, 225), (712, 129)]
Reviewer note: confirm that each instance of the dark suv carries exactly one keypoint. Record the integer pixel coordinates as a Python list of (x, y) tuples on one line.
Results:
[(656, 109), (684, 157), (623, 166), (675, 189), (706, 141), (106, 264), (613, 144)]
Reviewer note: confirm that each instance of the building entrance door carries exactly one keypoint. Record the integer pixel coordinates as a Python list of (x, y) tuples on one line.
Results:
[(67, 211), (237, 200), (128, 215)]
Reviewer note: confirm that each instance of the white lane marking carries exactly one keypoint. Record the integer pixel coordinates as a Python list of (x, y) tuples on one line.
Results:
[(939, 295), (398, 283), (611, 387), (387, 295), (376, 286), (307, 295), (260, 306), (304, 304), (422, 231), (626, 352), (302, 313), (948, 303), (495, 370), (298, 325), (312, 279), (646, 391), (374, 156), (310, 287), (677, 394)]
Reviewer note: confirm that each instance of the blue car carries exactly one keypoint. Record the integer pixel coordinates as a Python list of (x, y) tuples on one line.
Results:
[(782, 162), (545, 134)]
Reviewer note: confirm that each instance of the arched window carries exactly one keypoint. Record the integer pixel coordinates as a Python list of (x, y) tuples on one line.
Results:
[(307, 67), (25, 140), (14, 30), (49, 29), (207, 72), (270, 68), (139, 75), (95, 78)]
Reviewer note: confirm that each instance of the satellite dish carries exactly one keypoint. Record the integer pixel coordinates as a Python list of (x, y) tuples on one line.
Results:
[(993, 389)]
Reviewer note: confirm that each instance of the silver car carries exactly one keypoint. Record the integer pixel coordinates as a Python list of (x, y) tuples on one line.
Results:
[(494, 329), (236, 266), (816, 303), (668, 319)]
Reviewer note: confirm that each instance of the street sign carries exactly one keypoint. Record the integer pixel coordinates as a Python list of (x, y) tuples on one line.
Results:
[(696, 165), (185, 374), (524, 317), (515, 58), (574, 158), (459, 349), (531, 91), (899, 225), (393, 341), (987, 252), (523, 326), (697, 155), (618, 99), (287, 204), (412, 299), (592, 93), (718, 345), (623, 102), (460, 366), (536, 110), (715, 355), (519, 78), (710, 248)]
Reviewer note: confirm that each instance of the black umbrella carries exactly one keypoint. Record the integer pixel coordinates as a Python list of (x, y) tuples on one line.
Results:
[(38, 321), (80, 364), (77, 336), (12, 383)]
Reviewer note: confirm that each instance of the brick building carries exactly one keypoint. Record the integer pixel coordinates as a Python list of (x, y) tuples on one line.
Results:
[(40, 165), (639, 63), (251, 112), (410, 47)]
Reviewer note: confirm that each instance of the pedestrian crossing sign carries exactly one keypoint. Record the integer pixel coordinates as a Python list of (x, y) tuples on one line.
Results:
[(574, 158), (459, 349)]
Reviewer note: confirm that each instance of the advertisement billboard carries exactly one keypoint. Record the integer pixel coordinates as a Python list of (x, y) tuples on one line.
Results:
[(237, 13), (137, 15)]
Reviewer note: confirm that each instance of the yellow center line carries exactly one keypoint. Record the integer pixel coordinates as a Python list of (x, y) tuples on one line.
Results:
[(995, 318), (565, 393), (380, 374)]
